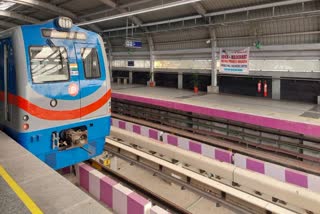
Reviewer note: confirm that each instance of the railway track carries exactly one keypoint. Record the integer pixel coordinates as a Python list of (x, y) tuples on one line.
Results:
[(283, 148), (154, 197), (203, 184)]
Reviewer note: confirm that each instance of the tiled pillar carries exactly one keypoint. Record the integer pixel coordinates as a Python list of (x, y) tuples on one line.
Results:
[(276, 89), (180, 81)]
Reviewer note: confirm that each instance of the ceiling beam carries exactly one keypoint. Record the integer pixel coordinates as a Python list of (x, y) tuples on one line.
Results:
[(140, 11), (134, 19), (155, 23), (103, 12), (58, 2), (258, 7), (6, 24), (199, 8), (49, 7), (53, 9), (114, 5), (262, 6), (18, 16), (298, 16), (110, 3)]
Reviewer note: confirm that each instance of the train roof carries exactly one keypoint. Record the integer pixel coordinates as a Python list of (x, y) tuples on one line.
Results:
[(49, 24)]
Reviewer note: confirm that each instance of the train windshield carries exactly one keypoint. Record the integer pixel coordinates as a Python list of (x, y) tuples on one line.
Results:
[(90, 63), (49, 64)]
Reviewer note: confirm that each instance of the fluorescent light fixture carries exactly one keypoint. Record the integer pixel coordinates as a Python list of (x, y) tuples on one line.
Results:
[(6, 5), (136, 12), (155, 23)]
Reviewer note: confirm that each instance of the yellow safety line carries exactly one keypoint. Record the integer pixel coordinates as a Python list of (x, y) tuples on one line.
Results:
[(19, 191)]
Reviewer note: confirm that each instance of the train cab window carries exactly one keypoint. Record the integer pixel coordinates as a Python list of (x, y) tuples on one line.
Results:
[(49, 64), (90, 63)]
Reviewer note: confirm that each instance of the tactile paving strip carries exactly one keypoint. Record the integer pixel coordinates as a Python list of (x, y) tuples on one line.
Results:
[(9, 201)]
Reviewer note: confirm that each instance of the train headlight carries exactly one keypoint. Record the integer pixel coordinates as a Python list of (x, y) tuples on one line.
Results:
[(25, 118), (64, 23)]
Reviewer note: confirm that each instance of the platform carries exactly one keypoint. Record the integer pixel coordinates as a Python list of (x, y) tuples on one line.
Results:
[(302, 118), (29, 186)]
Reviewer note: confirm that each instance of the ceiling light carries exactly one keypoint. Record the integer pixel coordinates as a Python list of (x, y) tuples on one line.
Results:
[(136, 12), (6, 5)]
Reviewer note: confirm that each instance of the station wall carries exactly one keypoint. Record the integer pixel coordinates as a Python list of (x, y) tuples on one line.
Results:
[(293, 80)]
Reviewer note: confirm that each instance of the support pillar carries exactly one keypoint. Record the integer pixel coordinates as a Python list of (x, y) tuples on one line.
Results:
[(110, 59), (151, 49), (151, 82), (180, 81), (152, 67), (110, 67), (114, 163), (130, 77), (213, 88), (276, 88)]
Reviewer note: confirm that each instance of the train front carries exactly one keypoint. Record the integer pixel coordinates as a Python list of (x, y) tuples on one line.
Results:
[(65, 93)]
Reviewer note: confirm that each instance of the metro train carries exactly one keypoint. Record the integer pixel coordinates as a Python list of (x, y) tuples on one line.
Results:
[(55, 96)]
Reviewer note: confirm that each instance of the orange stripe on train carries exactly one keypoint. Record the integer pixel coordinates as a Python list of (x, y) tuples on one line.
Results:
[(47, 114)]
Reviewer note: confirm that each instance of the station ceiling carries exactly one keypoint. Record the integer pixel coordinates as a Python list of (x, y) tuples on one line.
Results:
[(230, 23)]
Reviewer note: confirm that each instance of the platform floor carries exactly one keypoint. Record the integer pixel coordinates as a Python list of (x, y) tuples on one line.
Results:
[(10, 202), (28, 185), (233, 107)]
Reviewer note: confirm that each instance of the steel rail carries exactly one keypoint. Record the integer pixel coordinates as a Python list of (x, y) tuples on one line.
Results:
[(141, 113), (237, 148), (111, 147), (221, 120), (160, 118), (157, 199)]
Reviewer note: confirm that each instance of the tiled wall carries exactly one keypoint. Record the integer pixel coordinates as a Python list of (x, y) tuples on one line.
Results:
[(280, 173), (113, 194)]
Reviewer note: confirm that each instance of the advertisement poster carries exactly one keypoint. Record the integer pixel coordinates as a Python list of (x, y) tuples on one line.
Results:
[(234, 62)]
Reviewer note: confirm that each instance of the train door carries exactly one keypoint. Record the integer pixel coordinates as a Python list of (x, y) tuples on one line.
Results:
[(2, 80), (92, 78), (5, 81)]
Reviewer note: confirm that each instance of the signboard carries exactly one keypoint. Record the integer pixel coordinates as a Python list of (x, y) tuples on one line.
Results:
[(131, 63), (129, 43), (234, 62)]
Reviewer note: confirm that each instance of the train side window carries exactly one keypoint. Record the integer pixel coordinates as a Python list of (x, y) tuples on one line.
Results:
[(49, 64), (90, 63)]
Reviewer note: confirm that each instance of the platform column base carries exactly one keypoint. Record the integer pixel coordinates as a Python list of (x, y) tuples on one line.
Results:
[(213, 89), (318, 100), (151, 83), (130, 77)]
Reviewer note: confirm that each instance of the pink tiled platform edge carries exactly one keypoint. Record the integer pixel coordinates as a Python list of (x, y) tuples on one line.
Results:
[(158, 210), (116, 196), (280, 173), (297, 127)]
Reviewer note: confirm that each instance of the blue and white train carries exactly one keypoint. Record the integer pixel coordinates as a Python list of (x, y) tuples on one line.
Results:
[(55, 96)]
